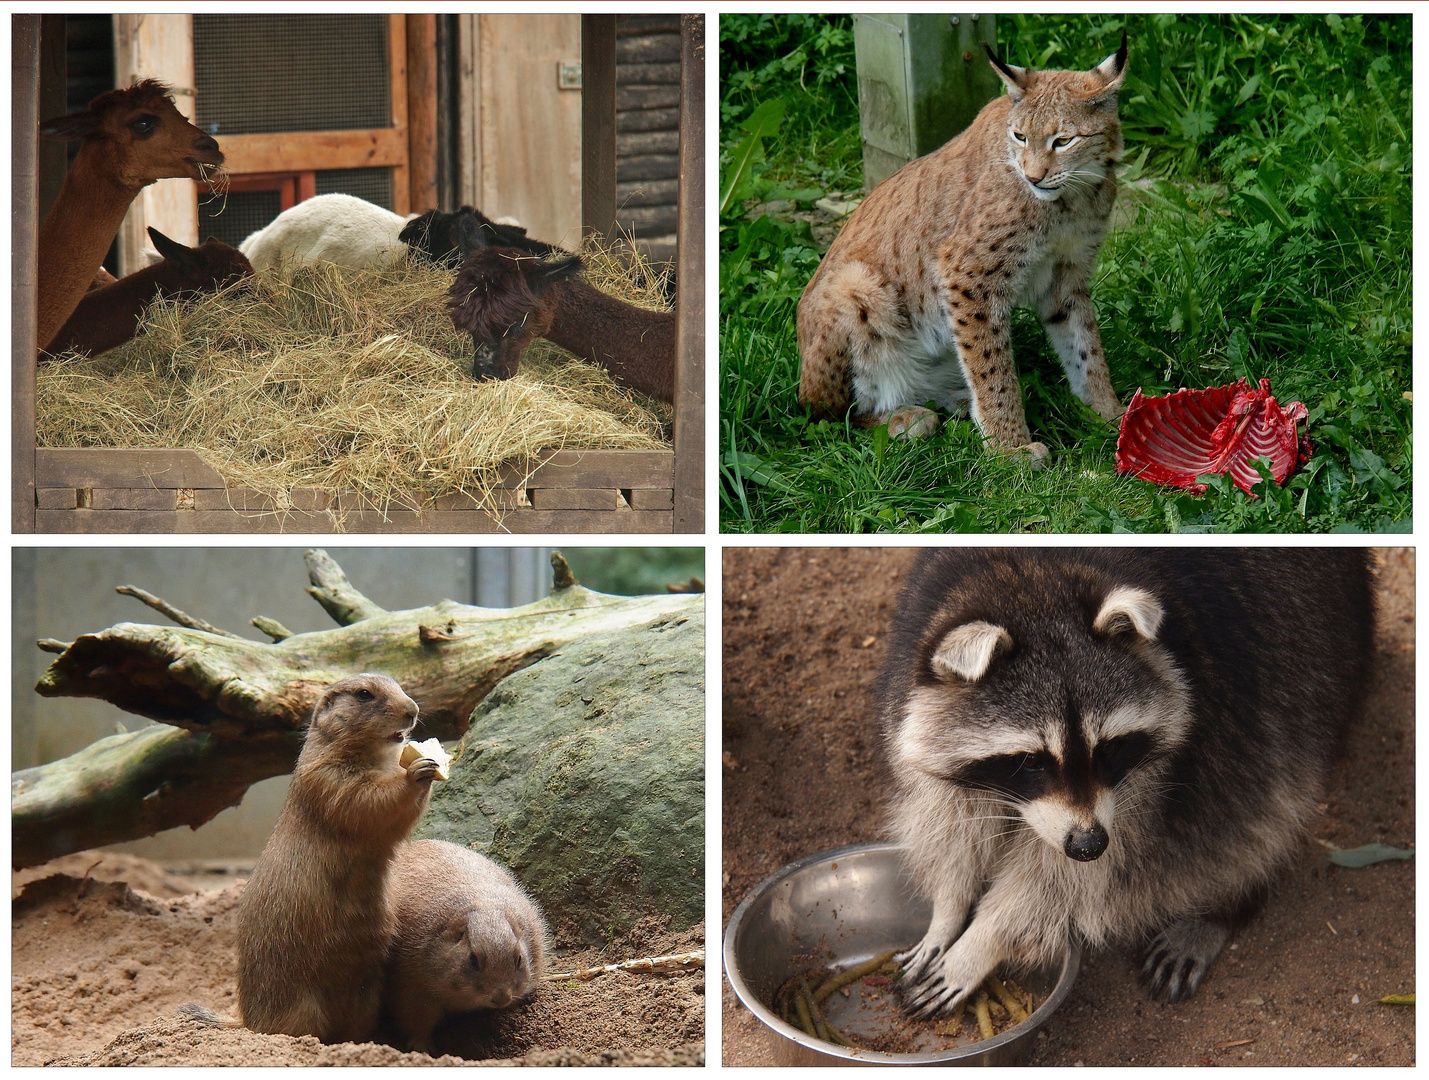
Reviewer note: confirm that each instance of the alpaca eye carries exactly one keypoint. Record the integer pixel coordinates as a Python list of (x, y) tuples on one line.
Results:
[(143, 125), (475, 963)]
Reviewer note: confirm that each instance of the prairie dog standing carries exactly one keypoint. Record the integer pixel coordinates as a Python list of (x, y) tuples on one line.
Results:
[(315, 920), (468, 937)]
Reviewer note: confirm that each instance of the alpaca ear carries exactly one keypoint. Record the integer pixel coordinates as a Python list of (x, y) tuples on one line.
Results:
[(416, 227), (470, 235), (1127, 609), (172, 250), (547, 273), (1015, 77), (967, 651), (69, 128)]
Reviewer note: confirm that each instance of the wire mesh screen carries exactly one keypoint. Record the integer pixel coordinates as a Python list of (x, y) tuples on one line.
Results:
[(245, 213), (279, 73), (374, 185)]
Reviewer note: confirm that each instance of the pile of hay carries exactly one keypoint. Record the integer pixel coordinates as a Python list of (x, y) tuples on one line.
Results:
[(344, 380)]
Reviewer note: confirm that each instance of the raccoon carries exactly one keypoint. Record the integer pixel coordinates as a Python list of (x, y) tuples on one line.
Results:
[(1112, 744)]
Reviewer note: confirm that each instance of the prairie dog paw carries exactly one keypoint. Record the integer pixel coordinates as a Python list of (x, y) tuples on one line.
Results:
[(912, 422), (1177, 957), (945, 981)]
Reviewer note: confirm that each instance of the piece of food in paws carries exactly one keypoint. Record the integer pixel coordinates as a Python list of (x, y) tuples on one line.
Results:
[(428, 748)]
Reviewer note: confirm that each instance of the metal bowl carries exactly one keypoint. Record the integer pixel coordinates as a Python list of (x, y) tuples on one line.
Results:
[(854, 902)]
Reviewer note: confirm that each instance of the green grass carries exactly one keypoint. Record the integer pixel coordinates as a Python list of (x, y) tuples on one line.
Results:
[(1268, 173)]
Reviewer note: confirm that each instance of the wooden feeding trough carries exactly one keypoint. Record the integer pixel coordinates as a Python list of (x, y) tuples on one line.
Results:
[(125, 490)]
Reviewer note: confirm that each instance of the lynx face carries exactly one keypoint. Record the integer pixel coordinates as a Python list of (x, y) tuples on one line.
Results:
[(1063, 131)]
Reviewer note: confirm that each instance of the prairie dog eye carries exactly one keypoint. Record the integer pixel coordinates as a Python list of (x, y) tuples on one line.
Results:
[(364, 695)]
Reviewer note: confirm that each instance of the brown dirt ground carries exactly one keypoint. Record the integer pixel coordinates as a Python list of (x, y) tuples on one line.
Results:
[(803, 640), (101, 963)]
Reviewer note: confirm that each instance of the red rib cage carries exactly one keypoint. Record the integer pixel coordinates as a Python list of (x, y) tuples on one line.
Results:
[(1173, 439)]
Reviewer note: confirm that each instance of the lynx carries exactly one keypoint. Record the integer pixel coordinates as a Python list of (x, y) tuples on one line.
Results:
[(913, 300)]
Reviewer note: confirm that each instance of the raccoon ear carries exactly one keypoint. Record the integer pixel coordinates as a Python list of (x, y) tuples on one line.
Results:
[(1126, 608), (968, 650)]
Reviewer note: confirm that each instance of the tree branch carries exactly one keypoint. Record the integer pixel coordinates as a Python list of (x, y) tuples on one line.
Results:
[(174, 614), (334, 592), (125, 787)]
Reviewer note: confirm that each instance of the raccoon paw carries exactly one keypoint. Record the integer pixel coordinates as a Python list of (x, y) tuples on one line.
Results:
[(912, 422), (1178, 956), (944, 981)]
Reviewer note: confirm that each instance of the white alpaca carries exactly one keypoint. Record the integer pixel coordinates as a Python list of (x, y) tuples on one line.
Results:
[(341, 229)]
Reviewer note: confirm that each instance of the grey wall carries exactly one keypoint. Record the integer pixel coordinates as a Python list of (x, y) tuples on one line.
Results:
[(64, 592)]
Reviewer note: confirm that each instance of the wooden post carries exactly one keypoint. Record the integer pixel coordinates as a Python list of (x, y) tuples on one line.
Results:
[(24, 197), (158, 47), (921, 80), (598, 124), (54, 101), (422, 111), (689, 493)]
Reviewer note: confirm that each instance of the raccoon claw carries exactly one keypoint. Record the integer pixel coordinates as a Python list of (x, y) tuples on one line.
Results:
[(915, 962), (1178, 957)]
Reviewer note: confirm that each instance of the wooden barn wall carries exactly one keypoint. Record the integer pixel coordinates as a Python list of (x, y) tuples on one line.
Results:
[(647, 125)]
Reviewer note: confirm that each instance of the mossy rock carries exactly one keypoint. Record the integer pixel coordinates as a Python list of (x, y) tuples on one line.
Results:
[(584, 774)]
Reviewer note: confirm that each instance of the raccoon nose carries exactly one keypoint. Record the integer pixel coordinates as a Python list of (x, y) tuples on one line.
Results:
[(1084, 845)]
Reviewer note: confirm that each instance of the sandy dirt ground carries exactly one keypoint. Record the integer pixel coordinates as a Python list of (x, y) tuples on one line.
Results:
[(104, 948), (804, 633)]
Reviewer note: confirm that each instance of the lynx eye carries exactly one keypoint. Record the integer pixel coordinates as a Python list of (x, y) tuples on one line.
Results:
[(1061, 141), (1019, 136)]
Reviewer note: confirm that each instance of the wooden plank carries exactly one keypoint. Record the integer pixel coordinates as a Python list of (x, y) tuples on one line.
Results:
[(647, 97), (54, 101), (529, 128), (116, 468), (522, 522), (648, 192), (649, 48), (689, 485), (106, 521), (56, 498), (650, 167), (422, 110), (297, 151), (575, 499), (648, 74), (248, 501), (598, 79), (499, 499), (647, 142), (649, 220), (134, 498), (650, 498), (639, 25), (596, 469), (24, 193), (647, 120), (397, 69)]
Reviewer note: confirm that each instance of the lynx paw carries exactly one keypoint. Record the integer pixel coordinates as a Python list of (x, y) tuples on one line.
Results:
[(912, 422), (1177, 957), (937, 980), (1035, 454)]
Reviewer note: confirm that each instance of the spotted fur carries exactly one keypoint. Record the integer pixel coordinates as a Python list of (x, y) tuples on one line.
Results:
[(913, 301)]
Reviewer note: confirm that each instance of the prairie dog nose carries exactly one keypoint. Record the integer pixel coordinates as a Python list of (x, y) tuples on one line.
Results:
[(1084, 845)]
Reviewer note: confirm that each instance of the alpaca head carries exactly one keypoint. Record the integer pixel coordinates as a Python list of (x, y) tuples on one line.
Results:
[(502, 298), (140, 136), (210, 266), (447, 238)]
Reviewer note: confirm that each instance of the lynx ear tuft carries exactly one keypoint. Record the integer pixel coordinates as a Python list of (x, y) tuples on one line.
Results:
[(1014, 77), (968, 650), (1112, 72), (1126, 609)]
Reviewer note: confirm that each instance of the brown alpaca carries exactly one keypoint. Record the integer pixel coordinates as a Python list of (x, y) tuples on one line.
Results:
[(110, 316), (131, 138), (505, 298)]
